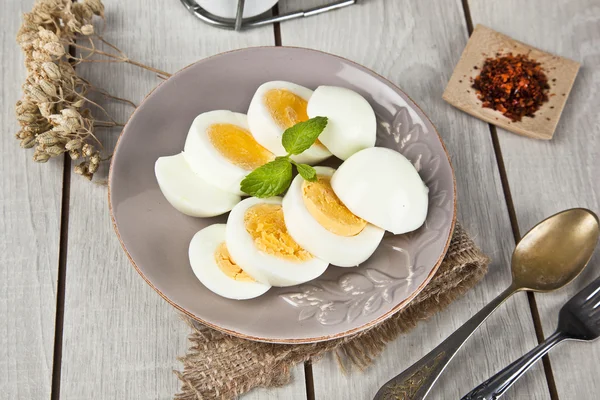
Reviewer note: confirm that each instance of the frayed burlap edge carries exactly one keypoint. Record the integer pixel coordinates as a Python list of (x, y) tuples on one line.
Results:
[(219, 366)]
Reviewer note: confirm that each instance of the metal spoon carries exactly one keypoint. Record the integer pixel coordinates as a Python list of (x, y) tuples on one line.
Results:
[(548, 257)]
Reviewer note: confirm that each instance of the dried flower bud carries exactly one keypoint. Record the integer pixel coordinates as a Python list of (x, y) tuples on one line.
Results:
[(82, 11), (54, 48), (74, 154), (52, 70), (36, 93), (25, 106), (87, 29), (74, 144), (57, 120), (47, 138), (55, 150), (28, 142), (41, 56), (73, 24), (27, 118), (71, 125), (92, 168), (40, 157), (46, 109), (47, 35), (87, 150), (82, 168), (95, 158), (70, 113), (96, 6), (48, 88), (44, 16), (23, 134)]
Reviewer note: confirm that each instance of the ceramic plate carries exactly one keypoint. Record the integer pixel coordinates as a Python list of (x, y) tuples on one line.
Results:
[(343, 300)]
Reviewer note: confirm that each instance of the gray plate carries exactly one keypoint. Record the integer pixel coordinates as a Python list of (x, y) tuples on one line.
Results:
[(342, 301)]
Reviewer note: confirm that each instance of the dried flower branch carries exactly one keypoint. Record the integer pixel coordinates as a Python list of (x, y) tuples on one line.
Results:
[(54, 112)]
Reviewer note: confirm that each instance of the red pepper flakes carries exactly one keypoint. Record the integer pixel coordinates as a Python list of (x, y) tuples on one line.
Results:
[(514, 85)]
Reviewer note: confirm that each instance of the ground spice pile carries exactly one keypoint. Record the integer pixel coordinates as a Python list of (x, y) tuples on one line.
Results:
[(515, 85)]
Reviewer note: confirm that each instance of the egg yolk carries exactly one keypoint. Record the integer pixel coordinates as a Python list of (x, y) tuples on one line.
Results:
[(265, 224), (238, 146), (228, 266), (327, 209), (286, 108)]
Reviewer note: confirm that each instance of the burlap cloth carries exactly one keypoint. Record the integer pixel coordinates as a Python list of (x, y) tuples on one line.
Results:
[(219, 366)]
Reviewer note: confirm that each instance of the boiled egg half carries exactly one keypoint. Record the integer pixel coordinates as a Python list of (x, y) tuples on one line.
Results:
[(382, 186), (279, 105), (319, 222), (222, 151), (213, 266), (189, 193), (258, 241), (351, 124)]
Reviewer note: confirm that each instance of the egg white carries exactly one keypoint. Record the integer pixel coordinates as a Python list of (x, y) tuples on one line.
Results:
[(262, 266), (268, 133), (343, 251), (351, 124), (382, 187), (189, 193), (205, 160), (202, 259)]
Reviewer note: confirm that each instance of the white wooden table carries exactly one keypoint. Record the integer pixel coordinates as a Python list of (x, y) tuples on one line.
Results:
[(77, 322)]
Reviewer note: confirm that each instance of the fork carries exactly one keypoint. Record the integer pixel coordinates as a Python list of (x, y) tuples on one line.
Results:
[(579, 319)]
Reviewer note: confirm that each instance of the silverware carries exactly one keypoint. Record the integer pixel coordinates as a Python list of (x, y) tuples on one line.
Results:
[(548, 257), (240, 24), (579, 319)]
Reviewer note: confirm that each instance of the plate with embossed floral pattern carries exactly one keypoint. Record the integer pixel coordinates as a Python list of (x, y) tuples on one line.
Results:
[(342, 301)]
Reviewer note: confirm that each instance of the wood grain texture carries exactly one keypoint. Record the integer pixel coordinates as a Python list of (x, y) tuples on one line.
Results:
[(485, 42), (121, 339), (30, 203), (546, 177), (416, 44)]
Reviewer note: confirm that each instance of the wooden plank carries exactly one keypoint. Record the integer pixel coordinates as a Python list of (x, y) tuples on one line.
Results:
[(546, 177), (30, 204), (416, 44), (121, 339)]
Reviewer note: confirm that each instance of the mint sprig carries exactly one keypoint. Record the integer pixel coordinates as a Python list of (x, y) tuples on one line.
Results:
[(301, 136), (275, 177)]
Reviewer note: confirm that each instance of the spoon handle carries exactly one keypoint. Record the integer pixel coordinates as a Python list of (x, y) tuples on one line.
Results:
[(498, 384), (416, 381)]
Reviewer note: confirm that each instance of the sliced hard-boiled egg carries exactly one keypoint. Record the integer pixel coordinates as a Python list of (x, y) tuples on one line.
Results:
[(213, 266), (276, 106), (258, 240), (319, 222), (382, 186), (220, 148), (351, 124), (189, 193)]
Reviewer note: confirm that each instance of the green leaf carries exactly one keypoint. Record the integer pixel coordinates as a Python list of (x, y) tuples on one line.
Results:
[(307, 172), (301, 136), (268, 180)]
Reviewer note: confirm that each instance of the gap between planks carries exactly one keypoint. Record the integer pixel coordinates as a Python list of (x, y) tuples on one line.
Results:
[(61, 280), (537, 324), (62, 273)]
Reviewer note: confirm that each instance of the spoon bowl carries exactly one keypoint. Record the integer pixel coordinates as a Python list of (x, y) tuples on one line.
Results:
[(555, 251)]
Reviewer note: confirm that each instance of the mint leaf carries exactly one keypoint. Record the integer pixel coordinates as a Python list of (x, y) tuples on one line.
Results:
[(268, 180), (307, 172), (301, 136)]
